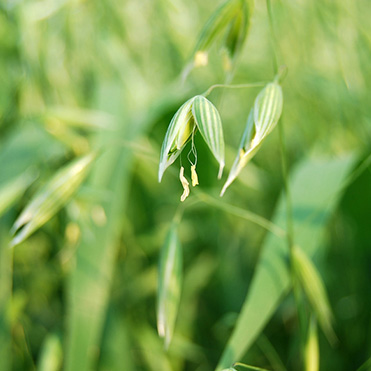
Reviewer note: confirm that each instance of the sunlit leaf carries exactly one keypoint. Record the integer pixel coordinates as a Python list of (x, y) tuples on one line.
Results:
[(315, 290), (311, 352), (209, 124), (169, 285), (51, 354), (321, 179), (81, 118), (51, 198)]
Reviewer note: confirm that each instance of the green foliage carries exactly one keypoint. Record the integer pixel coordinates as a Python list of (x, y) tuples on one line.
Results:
[(78, 289), (169, 285)]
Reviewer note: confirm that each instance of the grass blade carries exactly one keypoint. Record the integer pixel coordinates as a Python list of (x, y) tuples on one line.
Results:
[(169, 285), (311, 354), (6, 286), (314, 289), (51, 354), (51, 198), (12, 190), (321, 178)]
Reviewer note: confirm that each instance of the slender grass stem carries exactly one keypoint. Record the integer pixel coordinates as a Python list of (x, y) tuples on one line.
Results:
[(274, 39), (237, 86), (289, 210), (248, 367), (234, 210)]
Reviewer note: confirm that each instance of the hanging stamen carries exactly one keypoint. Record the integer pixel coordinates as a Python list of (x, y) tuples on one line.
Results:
[(194, 176), (185, 185), (193, 164)]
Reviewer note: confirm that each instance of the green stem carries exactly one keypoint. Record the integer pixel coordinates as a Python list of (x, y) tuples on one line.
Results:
[(290, 235), (289, 213), (238, 86), (273, 35), (248, 367), (252, 217)]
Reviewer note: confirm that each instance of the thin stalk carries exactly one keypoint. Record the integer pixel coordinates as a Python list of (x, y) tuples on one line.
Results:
[(237, 86), (288, 199), (248, 367), (273, 37), (290, 234), (234, 210)]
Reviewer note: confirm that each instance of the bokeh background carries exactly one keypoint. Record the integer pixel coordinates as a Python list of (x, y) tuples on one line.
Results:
[(75, 75)]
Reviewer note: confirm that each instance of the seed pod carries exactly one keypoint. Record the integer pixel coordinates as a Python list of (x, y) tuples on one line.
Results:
[(209, 124), (238, 30), (262, 120), (197, 113), (177, 136), (169, 285), (217, 24)]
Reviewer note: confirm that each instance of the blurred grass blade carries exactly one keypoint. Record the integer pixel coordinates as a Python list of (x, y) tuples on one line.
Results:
[(209, 124), (116, 347), (314, 289), (321, 178), (366, 366), (51, 198), (6, 288), (80, 118), (311, 352), (12, 190), (176, 137), (169, 285), (89, 282), (262, 119), (51, 354)]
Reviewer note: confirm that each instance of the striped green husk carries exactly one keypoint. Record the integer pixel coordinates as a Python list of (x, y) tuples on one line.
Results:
[(209, 124), (262, 119)]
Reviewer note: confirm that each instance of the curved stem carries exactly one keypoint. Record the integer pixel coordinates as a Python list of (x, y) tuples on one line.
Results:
[(238, 86), (234, 210)]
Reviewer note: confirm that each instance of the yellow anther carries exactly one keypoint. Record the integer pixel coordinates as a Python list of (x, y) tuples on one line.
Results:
[(185, 184), (201, 59), (194, 176)]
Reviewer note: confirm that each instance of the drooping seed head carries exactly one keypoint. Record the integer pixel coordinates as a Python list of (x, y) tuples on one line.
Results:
[(197, 113)]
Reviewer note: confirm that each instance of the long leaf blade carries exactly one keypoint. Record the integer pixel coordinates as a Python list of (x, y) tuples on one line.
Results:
[(311, 351), (315, 291), (321, 179)]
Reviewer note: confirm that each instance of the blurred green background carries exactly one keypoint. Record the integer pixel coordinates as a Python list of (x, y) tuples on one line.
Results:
[(75, 75)]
